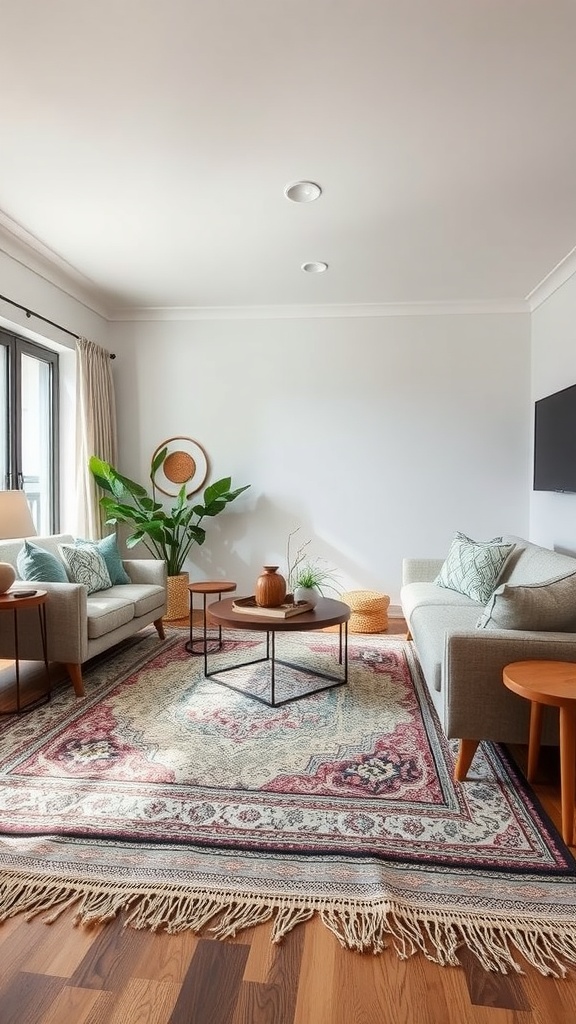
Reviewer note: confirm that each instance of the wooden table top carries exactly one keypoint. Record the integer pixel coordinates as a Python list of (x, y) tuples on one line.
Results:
[(548, 682), (212, 587), (327, 612), (10, 599)]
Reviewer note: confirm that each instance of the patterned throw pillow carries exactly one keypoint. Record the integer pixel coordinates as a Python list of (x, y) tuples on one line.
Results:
[(473, 567), (39, 566), (86, 565), (108, 548)]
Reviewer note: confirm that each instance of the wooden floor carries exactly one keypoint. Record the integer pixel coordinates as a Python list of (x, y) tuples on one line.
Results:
[(62, 974)]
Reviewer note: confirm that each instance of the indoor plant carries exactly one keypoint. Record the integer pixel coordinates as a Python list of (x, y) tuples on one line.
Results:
[(308, 578), (168, 534)]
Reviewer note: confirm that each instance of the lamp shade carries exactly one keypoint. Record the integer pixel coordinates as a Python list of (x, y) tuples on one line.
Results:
[(15, 516)]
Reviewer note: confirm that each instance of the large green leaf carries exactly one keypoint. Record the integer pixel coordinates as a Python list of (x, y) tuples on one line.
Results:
[(167, 534)]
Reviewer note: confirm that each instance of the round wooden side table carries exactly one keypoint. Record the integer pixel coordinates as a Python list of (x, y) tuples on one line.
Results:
[(198, 645), (14, 602), (552, 683)]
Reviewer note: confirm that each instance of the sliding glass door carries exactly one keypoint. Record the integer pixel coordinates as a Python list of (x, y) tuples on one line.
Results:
[(29, 426)]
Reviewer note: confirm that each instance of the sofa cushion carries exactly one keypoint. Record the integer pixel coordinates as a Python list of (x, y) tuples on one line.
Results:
[(86, 565), (36, 564), (414, 595), (531, 563), (108, 548), (429, 627), (473, 567), (145, 597), (550, 605), (106, 613)]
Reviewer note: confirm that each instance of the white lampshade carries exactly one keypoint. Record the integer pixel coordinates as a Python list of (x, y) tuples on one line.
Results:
[(15, 516)]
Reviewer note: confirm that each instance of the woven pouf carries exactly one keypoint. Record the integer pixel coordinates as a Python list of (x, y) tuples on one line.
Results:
[(369, 611)]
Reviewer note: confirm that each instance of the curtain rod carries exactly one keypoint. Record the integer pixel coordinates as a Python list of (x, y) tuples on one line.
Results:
[(30, 312)]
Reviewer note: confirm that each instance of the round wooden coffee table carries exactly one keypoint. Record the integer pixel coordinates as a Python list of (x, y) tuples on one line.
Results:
[(552, 683), (326, 613)]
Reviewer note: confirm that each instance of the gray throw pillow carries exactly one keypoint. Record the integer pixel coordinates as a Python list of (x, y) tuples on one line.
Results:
[(473, 567), (550, 605)]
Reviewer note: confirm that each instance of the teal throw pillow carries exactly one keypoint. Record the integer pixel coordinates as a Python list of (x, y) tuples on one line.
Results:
[(108, 548), (85, 565), (40, 566)]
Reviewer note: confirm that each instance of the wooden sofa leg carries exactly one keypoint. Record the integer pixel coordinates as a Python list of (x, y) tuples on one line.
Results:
[(160, 628), (75, 673), (466, 752)]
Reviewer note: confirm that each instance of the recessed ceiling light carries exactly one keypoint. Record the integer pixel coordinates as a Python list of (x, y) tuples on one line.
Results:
[(303, 191), (314, 268)]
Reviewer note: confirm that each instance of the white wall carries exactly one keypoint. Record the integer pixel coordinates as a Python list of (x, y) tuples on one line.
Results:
[(553, 516), (378, 437)]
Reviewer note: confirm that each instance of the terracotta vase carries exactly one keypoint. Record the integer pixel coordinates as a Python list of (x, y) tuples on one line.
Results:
[(270, 588)]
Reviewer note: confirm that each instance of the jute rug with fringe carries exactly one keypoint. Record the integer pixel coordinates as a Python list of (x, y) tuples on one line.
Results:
[(184, 804)]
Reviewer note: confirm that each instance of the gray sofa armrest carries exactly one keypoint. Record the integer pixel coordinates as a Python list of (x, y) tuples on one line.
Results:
[(420, 570), (146, 570), (476, 702), (66, 626)]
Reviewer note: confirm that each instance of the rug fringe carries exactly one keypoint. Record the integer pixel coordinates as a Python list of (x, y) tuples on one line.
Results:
[(548, 945)]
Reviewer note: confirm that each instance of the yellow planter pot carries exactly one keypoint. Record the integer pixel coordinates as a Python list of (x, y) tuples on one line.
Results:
[(178, 597)]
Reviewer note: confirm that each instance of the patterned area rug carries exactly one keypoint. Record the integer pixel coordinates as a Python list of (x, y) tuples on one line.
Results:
[(189, 805)]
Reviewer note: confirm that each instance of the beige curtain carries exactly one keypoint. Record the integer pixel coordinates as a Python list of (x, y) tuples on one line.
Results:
[(95, 432)]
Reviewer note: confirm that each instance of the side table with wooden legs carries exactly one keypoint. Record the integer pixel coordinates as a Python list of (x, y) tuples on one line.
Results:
[(552, 683), (198, 645), (11, 602)]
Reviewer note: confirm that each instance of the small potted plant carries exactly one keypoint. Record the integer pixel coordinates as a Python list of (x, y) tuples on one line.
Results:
[(307, 578), (311, 580)]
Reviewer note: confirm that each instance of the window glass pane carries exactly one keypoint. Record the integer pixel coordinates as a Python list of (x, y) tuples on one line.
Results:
[(36, 464)]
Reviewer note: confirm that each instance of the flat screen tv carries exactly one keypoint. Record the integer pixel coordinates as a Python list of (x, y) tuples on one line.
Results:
[(555, 442)]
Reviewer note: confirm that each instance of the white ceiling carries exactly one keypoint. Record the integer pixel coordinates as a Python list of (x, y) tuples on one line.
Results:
[(145, 146)]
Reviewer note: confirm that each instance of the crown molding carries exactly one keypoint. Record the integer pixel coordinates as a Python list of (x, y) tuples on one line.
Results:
[(33, 255), (305, 312), (558, 276)]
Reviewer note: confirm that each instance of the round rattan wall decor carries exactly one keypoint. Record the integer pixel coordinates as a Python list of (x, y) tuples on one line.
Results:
[(186, 463)]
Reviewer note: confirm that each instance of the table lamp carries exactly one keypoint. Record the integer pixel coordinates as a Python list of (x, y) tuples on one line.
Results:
[(15, 521)]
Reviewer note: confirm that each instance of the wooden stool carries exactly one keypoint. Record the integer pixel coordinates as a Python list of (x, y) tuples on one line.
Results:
[(550, 682), (205, 588), (369, 611)]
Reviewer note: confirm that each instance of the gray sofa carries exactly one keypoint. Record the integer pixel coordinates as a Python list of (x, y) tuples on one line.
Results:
[(462, 645), (81, 625)]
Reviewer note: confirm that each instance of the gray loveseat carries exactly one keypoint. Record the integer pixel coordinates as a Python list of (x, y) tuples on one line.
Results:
[(81, 625), (463, 645)]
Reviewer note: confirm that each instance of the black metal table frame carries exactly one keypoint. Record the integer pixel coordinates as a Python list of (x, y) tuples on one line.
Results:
[(45, 697), (333, 680), (215, 641)]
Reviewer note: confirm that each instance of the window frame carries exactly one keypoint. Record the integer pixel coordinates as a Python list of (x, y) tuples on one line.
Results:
[(17, 346)]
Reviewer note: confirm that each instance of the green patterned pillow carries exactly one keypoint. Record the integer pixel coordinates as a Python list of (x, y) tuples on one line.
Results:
[(86, 565), (108, 548), (37, 565), (473, 567)]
